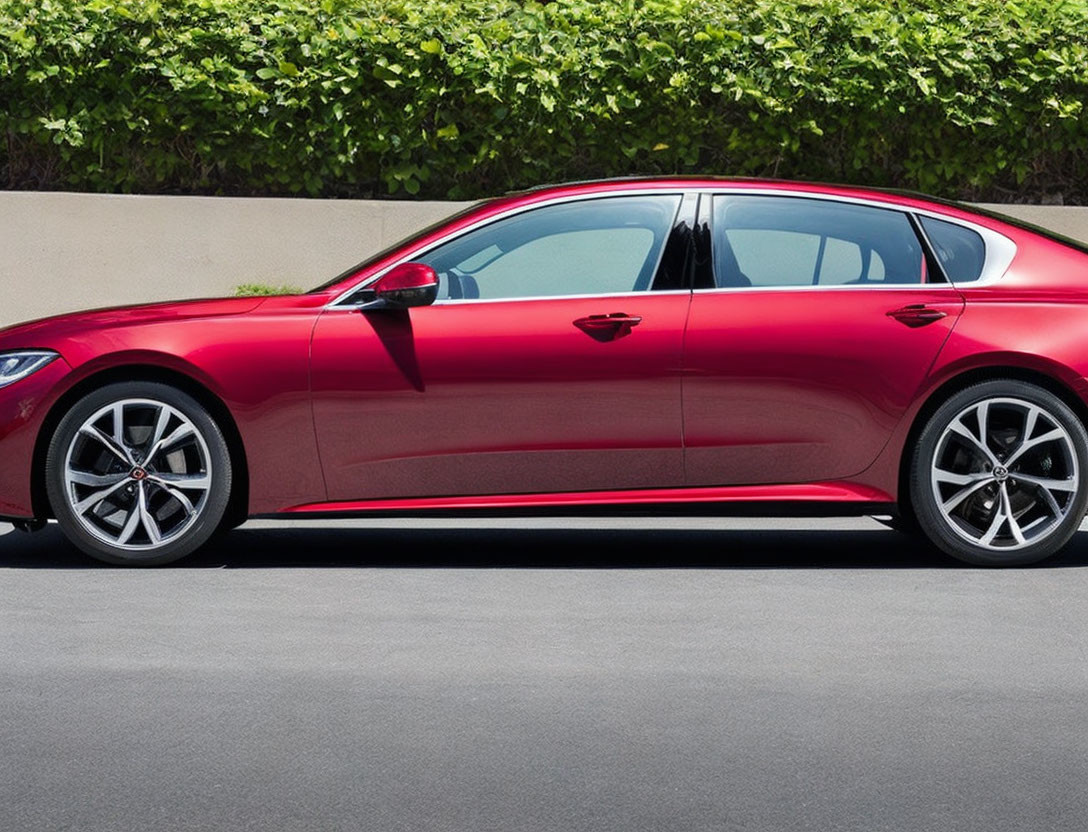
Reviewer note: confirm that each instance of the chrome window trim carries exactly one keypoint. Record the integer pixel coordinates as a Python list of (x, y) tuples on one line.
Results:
[(1000, 250), (520, 209), (477, 301), (645, 293)]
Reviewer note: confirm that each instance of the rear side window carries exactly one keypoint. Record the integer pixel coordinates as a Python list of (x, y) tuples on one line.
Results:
[(765, 241), (960, 251)]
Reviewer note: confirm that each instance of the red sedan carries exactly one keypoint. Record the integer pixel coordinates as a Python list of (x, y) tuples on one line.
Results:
[(653, 343)]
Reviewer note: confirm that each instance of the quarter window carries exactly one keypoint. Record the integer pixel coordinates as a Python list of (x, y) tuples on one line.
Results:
[(960, 251), (768, 241), (590, 247)]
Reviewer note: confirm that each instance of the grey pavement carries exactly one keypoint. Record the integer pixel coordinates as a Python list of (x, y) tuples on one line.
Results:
[(627, 675)]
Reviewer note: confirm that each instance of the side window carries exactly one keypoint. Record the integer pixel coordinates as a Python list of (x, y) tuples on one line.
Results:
[(960, 250), (590, 247), (764, 241)]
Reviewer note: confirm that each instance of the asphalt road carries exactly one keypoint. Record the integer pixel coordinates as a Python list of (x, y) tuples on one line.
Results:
[(543, 675)]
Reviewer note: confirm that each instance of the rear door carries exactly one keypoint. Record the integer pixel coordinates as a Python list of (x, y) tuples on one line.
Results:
[(820, 324)]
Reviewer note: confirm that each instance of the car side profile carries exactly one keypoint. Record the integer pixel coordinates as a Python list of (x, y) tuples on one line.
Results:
[(653, 343)]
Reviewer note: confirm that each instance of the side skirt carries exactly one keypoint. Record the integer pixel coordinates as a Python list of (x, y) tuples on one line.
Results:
[(808, 499)]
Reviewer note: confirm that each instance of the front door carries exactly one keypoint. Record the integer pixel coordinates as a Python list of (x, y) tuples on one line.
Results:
[(549, 363)]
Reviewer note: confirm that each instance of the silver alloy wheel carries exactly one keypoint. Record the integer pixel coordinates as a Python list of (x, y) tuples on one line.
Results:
[(1004, 474), (137, 474)]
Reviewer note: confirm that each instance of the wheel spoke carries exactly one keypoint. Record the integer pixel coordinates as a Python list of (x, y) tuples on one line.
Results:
[(87, 503), (952, 478), (179, 433), (1052, 504), (1045, 488), (96, 480), (964, 493), (1006, 507), (1030, 418), (131, 523), (160, 426), (960, 429), (119, 424), (150, 524), (113, 447), (178, 495), (996, 523), (201, 482), (1043, 482), (1027, 444)]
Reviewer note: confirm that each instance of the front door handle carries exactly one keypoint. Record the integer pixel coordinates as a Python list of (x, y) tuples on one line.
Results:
[(916, 314), (608, 327)]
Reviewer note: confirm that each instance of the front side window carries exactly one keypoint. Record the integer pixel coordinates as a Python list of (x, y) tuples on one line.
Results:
[(590, 247), (959, 250), (771, 241)]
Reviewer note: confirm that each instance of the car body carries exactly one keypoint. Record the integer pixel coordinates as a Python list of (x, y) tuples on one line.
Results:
[(646, 342)]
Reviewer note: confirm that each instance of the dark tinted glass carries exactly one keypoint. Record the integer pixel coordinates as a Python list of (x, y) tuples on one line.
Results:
[(794, 241), (960, 250)]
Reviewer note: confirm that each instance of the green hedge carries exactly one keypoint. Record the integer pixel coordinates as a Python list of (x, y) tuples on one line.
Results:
[(981, 99)]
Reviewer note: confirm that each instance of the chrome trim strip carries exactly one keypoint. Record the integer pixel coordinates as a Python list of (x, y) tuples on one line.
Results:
[(1000, 250)]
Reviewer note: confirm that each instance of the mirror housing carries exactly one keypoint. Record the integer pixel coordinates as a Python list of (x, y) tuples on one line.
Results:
[(405, 285)]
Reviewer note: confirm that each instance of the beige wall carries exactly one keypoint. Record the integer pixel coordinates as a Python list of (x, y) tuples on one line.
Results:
[(62, 252)]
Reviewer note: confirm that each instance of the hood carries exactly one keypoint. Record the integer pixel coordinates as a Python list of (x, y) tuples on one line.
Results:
[(41, 332)]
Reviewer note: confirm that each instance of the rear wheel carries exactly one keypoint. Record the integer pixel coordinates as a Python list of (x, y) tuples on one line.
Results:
[(998, 476), (138, 473)]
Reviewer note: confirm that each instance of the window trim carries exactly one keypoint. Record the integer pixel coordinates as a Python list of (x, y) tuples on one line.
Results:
[(339, 301), (1000, 250)]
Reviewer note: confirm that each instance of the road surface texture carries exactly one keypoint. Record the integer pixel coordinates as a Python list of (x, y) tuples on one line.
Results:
[(552, 675)]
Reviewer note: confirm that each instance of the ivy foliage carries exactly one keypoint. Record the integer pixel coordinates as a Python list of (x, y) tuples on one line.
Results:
[(981, 99)]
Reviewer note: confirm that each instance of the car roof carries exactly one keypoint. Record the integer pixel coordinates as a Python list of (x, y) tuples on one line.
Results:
[(901, 196)]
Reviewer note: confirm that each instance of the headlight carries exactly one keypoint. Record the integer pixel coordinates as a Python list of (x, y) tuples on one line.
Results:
[(17, 365)]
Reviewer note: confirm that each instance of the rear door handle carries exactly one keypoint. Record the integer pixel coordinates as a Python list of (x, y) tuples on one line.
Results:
[(916, 314), (608, 327)]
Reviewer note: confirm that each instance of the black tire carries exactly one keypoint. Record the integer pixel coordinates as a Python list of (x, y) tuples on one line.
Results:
[(207, 506), (956, 534)]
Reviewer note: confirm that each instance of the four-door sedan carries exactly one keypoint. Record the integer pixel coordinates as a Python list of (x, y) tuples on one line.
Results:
[(655, 343)]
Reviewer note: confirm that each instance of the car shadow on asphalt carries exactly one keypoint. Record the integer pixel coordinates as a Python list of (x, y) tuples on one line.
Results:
[(315, 546)]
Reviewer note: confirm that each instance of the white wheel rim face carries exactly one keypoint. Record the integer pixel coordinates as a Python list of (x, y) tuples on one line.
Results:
[(1004, 474), (137, 474)]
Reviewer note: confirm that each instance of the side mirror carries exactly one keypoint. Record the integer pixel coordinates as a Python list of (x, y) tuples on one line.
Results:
[(406, 285)]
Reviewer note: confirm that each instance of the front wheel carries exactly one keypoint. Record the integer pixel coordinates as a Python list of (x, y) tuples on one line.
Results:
[(138, 474), (998, 477)]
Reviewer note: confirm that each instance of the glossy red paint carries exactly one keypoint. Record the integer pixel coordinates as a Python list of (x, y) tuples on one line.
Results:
[(822, 492), (810, 391), (251, 355), (406, 276), (708, 396), (493, 397)]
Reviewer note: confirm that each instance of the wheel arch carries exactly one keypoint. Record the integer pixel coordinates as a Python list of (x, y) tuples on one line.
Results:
[(237, 508), (961, 381)]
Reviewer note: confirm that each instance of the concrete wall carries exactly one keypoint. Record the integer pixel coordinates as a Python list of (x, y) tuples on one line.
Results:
[(61, 252)]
